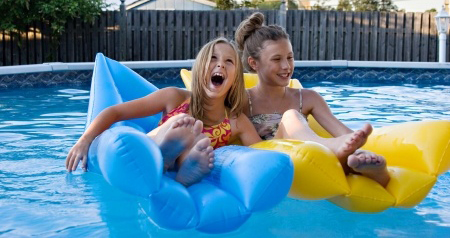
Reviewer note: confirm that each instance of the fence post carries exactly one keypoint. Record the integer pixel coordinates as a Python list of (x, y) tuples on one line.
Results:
[(282, 15), (123, 31)]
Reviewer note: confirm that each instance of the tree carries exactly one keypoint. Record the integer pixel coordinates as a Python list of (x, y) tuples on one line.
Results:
[(366, 5), (322, 5), (387, 6), (373, 5), (18, 14), (344, 5), (275, 4), (431, 10), (227, 4)]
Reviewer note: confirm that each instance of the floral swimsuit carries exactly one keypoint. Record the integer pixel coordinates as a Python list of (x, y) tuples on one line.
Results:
[(267, 124)]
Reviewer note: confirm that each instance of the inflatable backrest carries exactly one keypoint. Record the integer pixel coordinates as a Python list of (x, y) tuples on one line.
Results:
[(120, 84)]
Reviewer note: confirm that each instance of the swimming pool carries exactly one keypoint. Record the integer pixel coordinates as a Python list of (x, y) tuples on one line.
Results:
[(37, 197)]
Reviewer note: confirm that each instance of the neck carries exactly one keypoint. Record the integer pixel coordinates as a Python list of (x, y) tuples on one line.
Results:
[(271, 92), (214, 112)]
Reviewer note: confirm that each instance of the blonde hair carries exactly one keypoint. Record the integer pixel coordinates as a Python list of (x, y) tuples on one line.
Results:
[(251, 35), (235, 97)]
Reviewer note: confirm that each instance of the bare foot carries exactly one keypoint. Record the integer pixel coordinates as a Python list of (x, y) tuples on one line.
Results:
[(197, 163), (370, 165), (347, 144), (177, 139)]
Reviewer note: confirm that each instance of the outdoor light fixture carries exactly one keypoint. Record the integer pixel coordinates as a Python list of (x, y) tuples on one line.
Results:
[(442, 21)]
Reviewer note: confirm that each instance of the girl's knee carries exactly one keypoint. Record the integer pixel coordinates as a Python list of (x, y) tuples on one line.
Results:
[(294, 119), (290, 115)]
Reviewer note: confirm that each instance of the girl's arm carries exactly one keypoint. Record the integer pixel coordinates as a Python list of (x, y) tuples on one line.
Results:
[(246, 131), (314, 104), (156, 102)]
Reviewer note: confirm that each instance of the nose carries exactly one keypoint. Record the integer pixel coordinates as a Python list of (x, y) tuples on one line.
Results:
[(220, 65), (285, 64)]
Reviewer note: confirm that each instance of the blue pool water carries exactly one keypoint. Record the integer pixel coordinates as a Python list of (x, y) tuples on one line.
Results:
[(38, 198)]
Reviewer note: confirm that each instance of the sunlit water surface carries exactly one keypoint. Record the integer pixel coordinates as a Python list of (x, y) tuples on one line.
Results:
[(38, 198)]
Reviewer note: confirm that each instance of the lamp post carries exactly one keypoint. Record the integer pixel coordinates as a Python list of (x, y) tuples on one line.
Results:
[(123, 31), (283, 9), (442, 19)]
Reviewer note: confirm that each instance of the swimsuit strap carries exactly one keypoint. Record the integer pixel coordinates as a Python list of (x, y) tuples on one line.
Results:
[(182, 108), (249, 102), (301, 101)]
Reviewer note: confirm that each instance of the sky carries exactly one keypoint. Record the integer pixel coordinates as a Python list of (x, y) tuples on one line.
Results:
[(408, 5)]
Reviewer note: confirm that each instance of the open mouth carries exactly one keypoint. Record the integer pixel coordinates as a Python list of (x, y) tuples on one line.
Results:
[(217, 79)]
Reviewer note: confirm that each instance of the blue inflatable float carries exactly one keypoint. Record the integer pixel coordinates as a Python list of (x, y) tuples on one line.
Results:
[(244, 180)]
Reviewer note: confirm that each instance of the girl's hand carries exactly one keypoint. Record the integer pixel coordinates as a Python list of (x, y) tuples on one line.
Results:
[(78, 152)]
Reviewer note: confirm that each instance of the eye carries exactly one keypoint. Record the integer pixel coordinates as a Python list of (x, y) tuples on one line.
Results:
[(230, 61)]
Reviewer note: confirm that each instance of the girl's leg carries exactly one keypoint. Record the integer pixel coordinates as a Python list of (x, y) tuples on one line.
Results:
[(174, 137), (294, 126)]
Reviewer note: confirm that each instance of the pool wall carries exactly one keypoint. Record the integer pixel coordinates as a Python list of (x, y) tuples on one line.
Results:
[(49, 74)]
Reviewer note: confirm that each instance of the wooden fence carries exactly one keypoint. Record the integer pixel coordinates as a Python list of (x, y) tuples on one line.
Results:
[(178, 35)]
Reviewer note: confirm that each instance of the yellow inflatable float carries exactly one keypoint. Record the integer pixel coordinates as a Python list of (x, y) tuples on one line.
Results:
[(416, 153)]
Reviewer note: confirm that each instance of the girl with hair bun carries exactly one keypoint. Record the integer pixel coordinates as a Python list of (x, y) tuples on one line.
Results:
[(278, 111)]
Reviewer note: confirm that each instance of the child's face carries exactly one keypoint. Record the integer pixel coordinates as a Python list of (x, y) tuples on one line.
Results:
[(276, 63), (221, 71)]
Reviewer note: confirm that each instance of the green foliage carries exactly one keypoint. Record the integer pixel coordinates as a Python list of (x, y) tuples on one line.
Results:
[(374, 5), (17, 14), (361, 5), (431, 10), (269, 5), (226, 4), (344, 5), (322, 5), (250, 3), (292, 4), (254, 4)]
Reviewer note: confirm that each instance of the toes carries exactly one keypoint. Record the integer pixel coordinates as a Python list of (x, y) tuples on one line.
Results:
[(176, 124), (353, 161), (188, 121), (203, 144), (198, 127), (367, 128)]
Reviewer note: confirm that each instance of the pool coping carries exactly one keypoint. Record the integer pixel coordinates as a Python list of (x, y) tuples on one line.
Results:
[(59, 66)]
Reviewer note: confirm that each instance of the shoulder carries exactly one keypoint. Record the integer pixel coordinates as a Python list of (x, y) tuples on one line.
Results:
[(168, 98), (308, 93), (173, 93)]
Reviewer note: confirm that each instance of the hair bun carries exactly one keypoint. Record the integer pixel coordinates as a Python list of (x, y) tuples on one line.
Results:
[(247, 28)]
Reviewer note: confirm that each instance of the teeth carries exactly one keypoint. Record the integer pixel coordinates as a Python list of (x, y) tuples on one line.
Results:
[(218, 74)]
